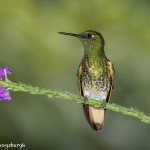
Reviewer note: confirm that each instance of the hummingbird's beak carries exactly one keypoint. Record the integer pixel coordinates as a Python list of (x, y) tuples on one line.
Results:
[(70, 34)]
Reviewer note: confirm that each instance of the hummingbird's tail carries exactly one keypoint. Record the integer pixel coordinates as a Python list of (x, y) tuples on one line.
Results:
[(94, 116)]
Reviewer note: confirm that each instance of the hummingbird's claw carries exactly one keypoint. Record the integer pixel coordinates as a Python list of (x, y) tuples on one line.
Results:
[(104, 104), (85, 99)]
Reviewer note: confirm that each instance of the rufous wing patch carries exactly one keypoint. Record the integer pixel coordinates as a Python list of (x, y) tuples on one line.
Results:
[(112, 72)]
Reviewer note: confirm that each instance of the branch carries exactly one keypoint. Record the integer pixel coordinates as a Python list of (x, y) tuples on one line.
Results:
[(78, 99)]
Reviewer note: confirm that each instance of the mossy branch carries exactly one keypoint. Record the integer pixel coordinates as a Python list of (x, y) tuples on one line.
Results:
[(78, 99)]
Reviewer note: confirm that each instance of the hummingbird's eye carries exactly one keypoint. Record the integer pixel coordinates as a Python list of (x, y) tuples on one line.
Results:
[(89, 36)]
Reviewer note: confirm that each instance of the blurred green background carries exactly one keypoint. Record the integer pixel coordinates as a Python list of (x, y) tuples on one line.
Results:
[(31, 46)]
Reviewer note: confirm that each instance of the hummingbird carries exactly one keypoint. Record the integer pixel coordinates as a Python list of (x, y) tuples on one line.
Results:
[(95, 75)]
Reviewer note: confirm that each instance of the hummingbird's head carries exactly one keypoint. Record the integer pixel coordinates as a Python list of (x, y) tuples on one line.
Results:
[(89, 38)]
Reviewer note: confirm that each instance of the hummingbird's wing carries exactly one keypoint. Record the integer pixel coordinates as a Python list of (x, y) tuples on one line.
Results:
[(112, 75), (79, 72), (112, 72)]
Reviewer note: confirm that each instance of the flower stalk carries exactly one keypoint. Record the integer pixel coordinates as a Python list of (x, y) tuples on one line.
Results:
[(20, 87)]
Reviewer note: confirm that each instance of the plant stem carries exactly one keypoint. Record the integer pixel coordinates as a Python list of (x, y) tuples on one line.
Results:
[(78, 99)]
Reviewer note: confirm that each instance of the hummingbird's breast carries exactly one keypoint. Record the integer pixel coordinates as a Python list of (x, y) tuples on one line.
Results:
[(95, 80)]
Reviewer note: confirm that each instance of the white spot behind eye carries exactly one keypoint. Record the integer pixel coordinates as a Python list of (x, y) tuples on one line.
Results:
[(92, 36)]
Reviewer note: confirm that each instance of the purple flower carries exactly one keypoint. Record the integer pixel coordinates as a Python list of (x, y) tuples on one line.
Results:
[(4, 71), (4, 94)]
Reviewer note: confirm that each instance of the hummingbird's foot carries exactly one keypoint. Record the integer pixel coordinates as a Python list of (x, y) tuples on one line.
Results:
[(104, 104), (85, 99)]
